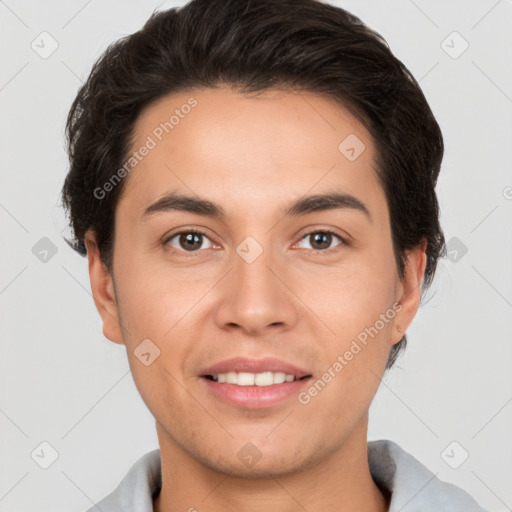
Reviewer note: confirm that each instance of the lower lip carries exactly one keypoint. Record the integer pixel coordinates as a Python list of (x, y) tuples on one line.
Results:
[(255, 397)]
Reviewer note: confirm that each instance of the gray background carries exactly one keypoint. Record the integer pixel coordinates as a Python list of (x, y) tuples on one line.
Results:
[(63, 383)]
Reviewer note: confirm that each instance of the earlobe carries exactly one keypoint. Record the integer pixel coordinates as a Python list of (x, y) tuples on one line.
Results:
[(411, 289), (102, 287)]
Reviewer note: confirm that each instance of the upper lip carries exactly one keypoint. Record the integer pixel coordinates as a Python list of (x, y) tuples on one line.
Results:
[(268, 364)]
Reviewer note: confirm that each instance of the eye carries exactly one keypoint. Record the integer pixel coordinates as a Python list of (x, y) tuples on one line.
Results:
[(322, 239), (191, 241), (188, 241)]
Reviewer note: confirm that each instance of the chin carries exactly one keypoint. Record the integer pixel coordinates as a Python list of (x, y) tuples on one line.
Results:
[(250, 462)]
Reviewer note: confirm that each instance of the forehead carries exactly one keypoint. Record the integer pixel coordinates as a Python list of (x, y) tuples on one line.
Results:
[(249, 151)]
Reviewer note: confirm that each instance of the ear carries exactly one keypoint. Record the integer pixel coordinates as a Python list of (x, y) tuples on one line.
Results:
[(102, 287), (410, 289)]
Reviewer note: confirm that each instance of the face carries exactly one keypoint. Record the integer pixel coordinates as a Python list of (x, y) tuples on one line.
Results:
[(312, 293)]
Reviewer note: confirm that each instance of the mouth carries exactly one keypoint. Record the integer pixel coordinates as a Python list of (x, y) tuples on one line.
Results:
[(254, 384)]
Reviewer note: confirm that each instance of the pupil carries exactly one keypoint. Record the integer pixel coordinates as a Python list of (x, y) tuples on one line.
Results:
[(189, 239), (327, 239)]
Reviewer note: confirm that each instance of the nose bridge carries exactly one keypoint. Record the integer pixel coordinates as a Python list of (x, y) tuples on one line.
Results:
[(253, 264), (255, 282), (255, 297)]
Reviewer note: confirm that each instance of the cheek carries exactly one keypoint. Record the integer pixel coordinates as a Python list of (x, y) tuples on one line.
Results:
[(350, 296), (153, 311), (353, 361), (153, 296), (357, 304), (160, 304)]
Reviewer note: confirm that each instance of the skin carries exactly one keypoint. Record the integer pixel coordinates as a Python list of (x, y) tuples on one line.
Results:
[(254, 155)]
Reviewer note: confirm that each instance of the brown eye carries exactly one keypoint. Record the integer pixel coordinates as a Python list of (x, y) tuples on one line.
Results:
[(322, 240), (188, 241)]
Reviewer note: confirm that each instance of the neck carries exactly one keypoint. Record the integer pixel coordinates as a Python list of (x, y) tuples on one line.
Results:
[(342, 481)]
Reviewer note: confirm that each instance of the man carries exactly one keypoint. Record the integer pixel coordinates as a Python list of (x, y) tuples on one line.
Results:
[(254, 186)]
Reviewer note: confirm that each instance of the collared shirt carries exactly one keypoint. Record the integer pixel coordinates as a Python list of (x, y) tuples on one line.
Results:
[(413, 488)]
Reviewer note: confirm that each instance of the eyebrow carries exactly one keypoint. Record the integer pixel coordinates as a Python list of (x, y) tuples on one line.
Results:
[(303, 206)]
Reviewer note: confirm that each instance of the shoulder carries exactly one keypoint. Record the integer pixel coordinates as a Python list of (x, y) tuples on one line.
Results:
[(136, 490), (412, 486)]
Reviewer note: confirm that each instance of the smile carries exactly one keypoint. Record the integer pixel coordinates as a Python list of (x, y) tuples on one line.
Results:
[(267, 378)]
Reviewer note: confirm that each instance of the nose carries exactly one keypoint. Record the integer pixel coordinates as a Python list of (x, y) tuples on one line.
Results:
[(257, 295)]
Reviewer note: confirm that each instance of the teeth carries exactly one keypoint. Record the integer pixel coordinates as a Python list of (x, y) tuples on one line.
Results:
[(253, 379)]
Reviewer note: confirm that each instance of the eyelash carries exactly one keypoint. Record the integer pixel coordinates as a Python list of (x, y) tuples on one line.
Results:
[(173, 250)]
